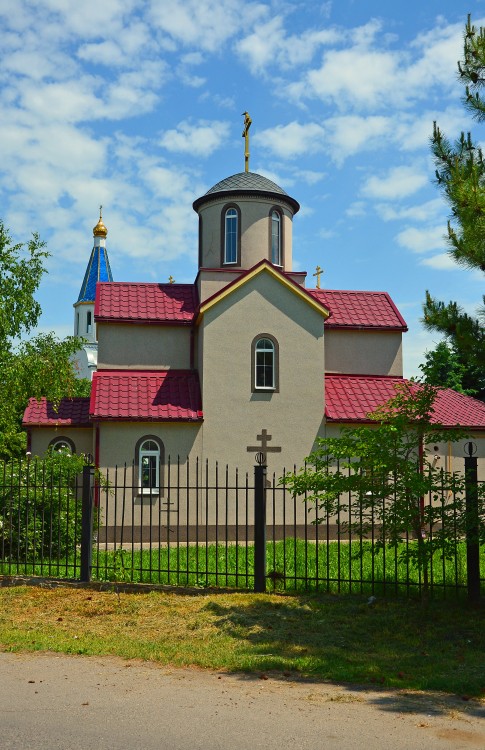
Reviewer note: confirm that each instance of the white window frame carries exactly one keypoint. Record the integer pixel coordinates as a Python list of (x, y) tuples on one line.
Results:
[(149, 453), (231, 219), (269, 348), (276, 256)]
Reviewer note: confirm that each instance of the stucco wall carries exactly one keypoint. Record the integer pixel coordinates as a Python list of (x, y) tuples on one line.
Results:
[(449, 456), (255, 231), (135, 347), (211, 282), (82, 438), (233, 414), (363, 352)]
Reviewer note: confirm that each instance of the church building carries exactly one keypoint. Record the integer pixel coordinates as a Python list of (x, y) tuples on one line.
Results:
[(246, 358)]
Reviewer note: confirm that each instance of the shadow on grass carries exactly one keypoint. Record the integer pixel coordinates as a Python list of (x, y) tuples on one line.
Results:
[(386, 644)]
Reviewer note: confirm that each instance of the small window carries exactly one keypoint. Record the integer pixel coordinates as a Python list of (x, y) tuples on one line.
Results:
[(276, 238), (89, 321), (77, 324), (265, 363), (62, 445), (148, 459), (230, 236)]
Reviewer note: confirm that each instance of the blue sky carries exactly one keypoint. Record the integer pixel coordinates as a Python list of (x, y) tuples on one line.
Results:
[(137, 105)]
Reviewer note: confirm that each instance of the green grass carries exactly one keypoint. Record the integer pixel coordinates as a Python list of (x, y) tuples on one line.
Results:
[(392, 643), (291, 566)]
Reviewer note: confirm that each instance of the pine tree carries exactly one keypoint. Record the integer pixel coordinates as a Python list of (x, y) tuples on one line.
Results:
[(460, 174)]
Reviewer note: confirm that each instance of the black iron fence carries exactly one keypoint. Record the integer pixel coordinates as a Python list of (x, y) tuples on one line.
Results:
[(210, 526)]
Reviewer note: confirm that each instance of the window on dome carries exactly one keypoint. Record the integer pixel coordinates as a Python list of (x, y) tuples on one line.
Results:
[(148, 460), (231, 235), (276, 255), (265, 363)]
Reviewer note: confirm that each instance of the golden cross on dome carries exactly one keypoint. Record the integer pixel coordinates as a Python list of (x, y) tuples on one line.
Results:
[(171, 279), (245, 135), (101, 212), (318, 273)]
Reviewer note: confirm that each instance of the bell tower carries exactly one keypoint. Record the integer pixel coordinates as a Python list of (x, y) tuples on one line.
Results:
[(98, 269)]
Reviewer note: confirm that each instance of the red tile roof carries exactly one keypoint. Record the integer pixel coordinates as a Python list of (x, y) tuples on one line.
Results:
[(146, 395), (72, 412), (350, 398), (125, 302), (360, 309)]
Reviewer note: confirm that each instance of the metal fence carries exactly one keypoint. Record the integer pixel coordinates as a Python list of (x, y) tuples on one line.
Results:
[(210, 526)]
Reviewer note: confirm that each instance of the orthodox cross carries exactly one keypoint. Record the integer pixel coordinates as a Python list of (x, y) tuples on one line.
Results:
[(101, 212), (318, 273), (264, 448), (245, 135), (171, 279)]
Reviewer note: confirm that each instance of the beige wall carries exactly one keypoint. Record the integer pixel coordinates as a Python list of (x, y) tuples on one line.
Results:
[(133, 347), (211, 282), (449, 456), (82, 438), (363, 352), (233, 414), (255, 231)]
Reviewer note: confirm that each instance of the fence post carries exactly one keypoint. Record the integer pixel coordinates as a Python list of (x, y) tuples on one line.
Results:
[(472, 523), (86, 524), (260, 529)]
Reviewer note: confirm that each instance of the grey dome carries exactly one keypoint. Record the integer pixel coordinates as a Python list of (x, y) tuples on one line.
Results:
[(246, 183)]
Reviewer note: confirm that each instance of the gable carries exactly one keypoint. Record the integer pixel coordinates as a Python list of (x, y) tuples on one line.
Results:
[(264, 269)]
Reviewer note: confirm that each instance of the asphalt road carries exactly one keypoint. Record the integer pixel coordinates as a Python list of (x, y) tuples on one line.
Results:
[(57, 702)]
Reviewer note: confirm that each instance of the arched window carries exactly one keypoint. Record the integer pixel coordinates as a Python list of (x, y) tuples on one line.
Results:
[(276, 255), (62, 445), (265, 363), (89, 321), (231, 235), (148, 460)]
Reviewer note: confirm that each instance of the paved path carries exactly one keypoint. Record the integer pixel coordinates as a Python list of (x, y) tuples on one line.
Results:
[(57, 702)]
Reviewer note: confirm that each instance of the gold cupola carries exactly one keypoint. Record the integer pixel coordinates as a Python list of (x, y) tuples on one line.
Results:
[(100, 230)]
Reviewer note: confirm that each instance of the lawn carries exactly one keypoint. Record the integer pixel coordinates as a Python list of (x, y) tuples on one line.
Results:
[(292, 565), (388, 642)]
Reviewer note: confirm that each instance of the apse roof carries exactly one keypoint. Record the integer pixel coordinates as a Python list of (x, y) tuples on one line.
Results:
[(360, 309), (243, 182), (351, 398), (145, 396)]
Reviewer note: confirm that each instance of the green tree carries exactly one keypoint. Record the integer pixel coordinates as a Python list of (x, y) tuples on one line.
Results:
[(37, 367), (444, 366), (460, 174), (385, 481)]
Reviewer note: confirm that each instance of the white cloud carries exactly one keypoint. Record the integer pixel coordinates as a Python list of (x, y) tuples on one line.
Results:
[(442, 262), (201, 139), (292, 140), (206, 25), (269, 45), (369, 73), (423, 212), (398, 183), (356, 209), (422, 240), (351, 134)]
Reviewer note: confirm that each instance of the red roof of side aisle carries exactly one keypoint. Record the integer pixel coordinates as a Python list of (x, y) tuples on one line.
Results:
[(359, 310), (123, 302), (350, 398), (144, 396)]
